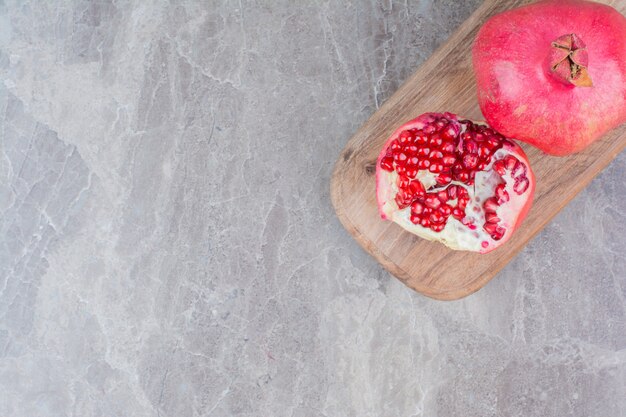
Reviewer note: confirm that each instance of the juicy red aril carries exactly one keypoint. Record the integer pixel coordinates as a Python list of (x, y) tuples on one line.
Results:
[(446, 210), (437, 227), (443, 179), (519, 170), (412, 161), (395, 146), (417, 188), (424, 222), (417, 207), (471, 147), (387, 163), (432, 201), (501, 194), (414, 218), (442, 196), (437, 217), (448, 160), (521, 185), (448, 148), (510, 162), (470, 161), (411, 172), (491, 217), (405, 137), (435, 140), (402, 181), (423, 151), (423, 164), (452, 191), (491, 204), (436, 168), (435, 154), (421, 139), (399, 157), (457, 213)]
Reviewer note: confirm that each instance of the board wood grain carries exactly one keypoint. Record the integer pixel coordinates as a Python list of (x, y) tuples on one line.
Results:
[(445, 83)]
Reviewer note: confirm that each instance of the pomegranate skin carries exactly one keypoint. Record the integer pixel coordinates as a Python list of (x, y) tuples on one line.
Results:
[(521, 97)]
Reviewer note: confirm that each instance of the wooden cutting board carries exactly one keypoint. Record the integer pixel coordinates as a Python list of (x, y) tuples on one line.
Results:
[(445, 83)]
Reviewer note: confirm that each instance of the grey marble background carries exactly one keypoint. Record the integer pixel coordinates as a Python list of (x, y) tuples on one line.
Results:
[(168, 247)]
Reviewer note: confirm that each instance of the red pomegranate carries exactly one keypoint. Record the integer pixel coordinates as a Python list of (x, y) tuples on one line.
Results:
[(454, 181), (553, 73)]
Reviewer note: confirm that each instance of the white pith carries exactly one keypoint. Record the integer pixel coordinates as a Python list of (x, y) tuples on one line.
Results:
[(455, 234)]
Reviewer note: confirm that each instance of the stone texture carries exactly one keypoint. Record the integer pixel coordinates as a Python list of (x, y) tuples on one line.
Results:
[(168, 247)]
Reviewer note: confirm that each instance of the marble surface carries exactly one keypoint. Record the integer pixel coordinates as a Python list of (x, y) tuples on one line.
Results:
[(168, 247)]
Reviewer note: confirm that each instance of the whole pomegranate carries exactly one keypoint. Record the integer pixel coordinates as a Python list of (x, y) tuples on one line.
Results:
[(553, 73), (454, 181)]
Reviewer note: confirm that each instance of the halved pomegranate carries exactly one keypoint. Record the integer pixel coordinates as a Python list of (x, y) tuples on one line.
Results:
[(454, 181)]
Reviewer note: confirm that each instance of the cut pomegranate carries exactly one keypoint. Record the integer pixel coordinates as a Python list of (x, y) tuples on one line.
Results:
[(454, 181)]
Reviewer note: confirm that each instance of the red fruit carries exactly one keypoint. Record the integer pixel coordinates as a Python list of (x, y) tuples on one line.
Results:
[(466, 203), (553, 73)]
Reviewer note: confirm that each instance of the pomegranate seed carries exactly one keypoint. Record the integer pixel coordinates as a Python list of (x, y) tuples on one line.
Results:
[(423, 151), (483, 150), (426, 211), (411, 172), (470, 160), (457, 213), (435, 154), (462, 202), (437, 217), (412, 161), (496, 232), (400, 158), (401, 200), (432, 201), (463, 176), (481, 166), (437, 227), (395, 146), (417, 188), (491, 217), (411, 149), (449, 133), (499, 167), (435, 140), (471, 147), (421, 138), (400, 169), (447, 147), (502, 194), (445, 210), (491, 204), (493, 142), (423, 164), (490, 227), (452, 191), (405, 137), (510, 162), (414, 219), (387, 163), (424, 222), (417, 207), (448, 160), (402, 181), (519, 170), (436, 168), (443, 179), (521, 185)]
